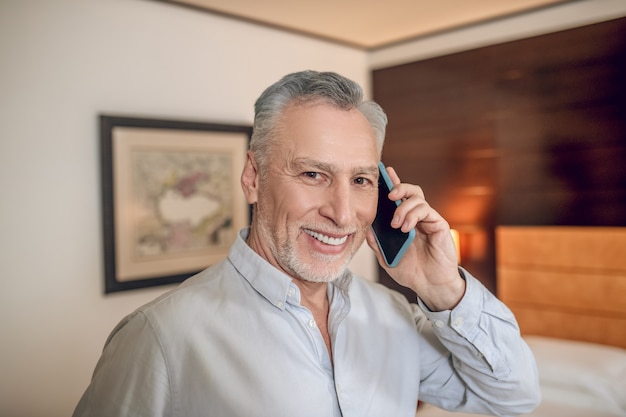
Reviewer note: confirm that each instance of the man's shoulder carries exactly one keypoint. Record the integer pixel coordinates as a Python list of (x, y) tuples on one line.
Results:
[(196, 294)]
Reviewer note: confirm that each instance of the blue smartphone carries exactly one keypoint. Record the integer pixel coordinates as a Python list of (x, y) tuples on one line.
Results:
[(393, 243)]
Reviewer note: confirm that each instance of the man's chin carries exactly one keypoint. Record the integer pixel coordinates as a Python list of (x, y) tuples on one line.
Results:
[(324, 270), (314, 266), (318, 279)]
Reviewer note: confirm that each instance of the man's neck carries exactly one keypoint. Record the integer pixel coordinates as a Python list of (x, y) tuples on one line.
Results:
[(313, 295)]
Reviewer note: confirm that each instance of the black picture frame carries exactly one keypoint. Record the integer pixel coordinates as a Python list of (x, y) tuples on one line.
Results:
[(157, 178)]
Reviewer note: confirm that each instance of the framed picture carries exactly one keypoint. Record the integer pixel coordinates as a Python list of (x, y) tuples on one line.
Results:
[(172, 201)]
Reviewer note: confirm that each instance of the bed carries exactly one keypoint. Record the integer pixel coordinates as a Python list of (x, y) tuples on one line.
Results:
[(567, 288)]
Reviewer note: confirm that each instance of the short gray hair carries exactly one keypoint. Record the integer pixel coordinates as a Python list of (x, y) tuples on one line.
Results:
[(309, 87)]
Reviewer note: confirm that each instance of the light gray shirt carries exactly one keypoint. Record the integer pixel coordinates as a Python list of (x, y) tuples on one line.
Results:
[(234, 340)]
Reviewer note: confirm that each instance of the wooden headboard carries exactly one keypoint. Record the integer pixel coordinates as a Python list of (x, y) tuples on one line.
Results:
[(565, 282)]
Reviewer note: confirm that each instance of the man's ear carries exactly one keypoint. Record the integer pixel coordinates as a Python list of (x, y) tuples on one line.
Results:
[(250, 179)]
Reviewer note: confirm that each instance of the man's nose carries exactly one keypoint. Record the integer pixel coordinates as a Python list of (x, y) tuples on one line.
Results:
[(338, 204)]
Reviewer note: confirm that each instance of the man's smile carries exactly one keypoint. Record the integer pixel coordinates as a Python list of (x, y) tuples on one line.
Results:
[(329, 240)]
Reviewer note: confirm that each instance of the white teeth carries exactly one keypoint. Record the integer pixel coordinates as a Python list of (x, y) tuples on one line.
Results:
[(335, 241)]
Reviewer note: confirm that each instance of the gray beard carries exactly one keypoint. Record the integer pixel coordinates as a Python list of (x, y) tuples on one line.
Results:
[(313, 273)]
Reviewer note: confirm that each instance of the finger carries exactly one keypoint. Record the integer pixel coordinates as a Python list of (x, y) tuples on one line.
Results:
[(413, 208), (412, 198), (410, 216), (426, 219), (393, 175)]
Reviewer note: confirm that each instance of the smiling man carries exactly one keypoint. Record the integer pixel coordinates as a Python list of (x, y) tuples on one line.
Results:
[(283, 328), (317, 196)]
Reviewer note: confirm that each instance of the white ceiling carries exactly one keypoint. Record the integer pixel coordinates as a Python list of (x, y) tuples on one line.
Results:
[(367, 24)]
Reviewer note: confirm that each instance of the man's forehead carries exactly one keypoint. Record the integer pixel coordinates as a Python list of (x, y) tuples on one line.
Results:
[(324, 134)]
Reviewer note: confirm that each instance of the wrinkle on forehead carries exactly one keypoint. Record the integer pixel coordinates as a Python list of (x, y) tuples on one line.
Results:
[(319, 139)]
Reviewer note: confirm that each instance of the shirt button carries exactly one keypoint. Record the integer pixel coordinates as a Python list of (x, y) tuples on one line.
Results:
[(280, 304), (291, 292), (439, 323), (312, 323), (459, 321)]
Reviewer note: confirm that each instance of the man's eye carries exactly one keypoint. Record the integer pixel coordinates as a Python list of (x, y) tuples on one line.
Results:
[(361, 181), (312, 175)]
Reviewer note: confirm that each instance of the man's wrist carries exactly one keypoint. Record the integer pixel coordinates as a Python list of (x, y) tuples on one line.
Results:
[(447, 296)]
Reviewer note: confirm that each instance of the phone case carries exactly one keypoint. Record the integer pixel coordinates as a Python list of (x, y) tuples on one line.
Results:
[(393, 243)]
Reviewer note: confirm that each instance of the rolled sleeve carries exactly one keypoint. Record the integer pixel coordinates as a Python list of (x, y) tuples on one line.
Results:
[(494, 366)]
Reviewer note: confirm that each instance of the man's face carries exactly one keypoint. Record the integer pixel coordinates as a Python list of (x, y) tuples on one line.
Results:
[(320, 195)]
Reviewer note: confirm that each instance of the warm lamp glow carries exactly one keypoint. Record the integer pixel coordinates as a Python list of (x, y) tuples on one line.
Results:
[(457, 242)]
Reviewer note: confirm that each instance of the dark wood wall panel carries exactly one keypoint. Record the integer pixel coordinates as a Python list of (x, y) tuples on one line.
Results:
[(529, 132)]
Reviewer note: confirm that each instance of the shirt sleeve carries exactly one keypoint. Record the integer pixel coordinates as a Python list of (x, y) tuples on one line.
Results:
[(473, 357), (131, 377)]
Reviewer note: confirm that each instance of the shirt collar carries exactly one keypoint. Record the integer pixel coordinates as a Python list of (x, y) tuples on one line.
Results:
[(274, 285)]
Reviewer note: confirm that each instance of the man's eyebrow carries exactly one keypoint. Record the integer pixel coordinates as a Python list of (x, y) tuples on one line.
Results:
[(368, 170), (308, 163)]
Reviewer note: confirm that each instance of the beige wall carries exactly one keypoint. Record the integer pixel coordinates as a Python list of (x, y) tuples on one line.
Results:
[(62, 63)]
